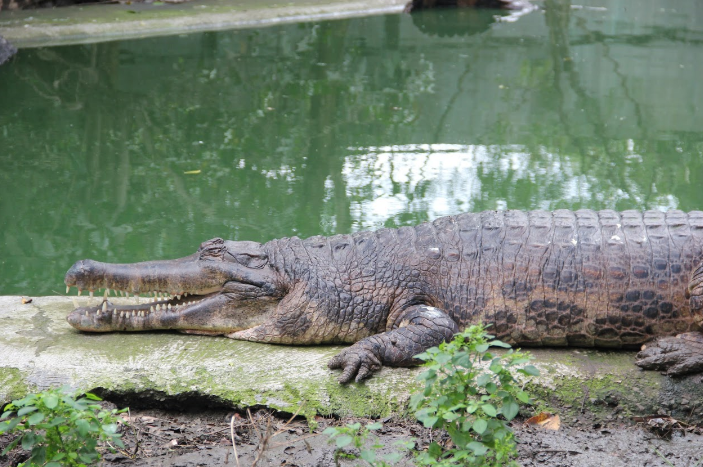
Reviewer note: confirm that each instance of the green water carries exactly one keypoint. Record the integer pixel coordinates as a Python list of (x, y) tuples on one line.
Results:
[(333, 127)]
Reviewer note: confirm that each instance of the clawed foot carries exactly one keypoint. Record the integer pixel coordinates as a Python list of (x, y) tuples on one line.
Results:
[(676, 356), (357, 363)]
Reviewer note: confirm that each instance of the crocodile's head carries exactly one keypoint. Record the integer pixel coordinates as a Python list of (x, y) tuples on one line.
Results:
[(224, 287)]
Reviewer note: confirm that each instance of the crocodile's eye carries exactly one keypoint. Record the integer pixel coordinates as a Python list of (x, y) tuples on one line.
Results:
[(254, 262), (213, 249), (249, 254)]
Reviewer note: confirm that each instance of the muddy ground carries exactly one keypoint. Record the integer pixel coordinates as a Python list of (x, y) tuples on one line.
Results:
[(202, 437)]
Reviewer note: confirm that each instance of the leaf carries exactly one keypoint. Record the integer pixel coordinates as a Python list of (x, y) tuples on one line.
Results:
[(83, 427), (491, 388), (110, 428), (51, 401), (443, 358), (368, 455), (482, 380), (429, 422), (36, 418), (25, 410), (191, 172), (53, 464), (510, 409), (374, 426), (497, 343), (545, 420), (434, 450), (393, 457), (38, 455), (459, 437), (343, 440), (92, 397), (478, 448), (529, 370), (481, 348), (28, 441), (489, 410), (11, 446), (12, 424), (480, 426), (463, 360), (496, 366), (57, 421), (523, 397)]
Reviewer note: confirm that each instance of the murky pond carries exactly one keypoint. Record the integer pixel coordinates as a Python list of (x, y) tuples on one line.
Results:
[(133, 150)]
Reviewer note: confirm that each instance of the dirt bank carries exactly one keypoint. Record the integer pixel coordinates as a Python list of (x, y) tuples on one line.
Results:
[(155, 437)]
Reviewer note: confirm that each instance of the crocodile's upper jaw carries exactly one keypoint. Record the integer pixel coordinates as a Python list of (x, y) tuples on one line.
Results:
[(224, 287)]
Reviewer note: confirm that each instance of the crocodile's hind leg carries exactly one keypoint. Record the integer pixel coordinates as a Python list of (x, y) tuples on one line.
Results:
[(684, 353)]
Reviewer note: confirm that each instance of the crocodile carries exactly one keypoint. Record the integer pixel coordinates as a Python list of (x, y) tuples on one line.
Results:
[(630, 280)]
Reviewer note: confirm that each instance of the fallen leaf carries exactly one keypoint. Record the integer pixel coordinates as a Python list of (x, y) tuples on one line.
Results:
[(545, 420), (26, 300), (191, 172)]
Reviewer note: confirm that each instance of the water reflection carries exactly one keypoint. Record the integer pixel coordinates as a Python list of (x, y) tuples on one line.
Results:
[(323, 128)]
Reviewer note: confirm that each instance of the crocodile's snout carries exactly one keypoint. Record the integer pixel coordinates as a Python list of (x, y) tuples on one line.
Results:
[(81, 274)]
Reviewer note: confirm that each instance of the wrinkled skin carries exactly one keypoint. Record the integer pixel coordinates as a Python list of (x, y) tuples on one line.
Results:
[(585, 278)]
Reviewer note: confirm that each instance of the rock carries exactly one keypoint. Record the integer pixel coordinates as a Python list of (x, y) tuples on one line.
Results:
[(39, 349)]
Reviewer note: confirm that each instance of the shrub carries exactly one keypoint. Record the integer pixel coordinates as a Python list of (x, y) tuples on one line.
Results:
[(59, 429), (471, 394)]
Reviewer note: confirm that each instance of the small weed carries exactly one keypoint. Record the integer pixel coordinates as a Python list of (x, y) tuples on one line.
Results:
[(354, 435), (469, 393), (471, 402), (59, 429)]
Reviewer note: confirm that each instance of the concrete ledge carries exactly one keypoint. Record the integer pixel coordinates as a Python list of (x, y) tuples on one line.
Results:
[(96, 23), (39, 349)]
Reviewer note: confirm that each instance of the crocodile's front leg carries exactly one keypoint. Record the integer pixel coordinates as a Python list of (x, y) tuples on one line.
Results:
[(420, 328)]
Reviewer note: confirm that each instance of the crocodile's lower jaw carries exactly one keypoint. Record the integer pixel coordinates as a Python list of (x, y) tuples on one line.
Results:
[(153, 311)]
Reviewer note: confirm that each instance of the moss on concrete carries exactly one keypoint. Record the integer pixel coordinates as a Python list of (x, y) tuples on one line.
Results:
[(175, 370), (13, 385)]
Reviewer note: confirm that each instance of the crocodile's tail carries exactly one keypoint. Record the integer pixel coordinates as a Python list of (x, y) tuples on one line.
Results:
[(695, 289)]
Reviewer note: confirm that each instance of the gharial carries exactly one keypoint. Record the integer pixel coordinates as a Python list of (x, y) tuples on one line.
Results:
[(585, 278)]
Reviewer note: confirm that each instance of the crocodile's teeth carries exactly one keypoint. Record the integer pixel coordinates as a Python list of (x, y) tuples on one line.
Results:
[(91, 294), (169, 307), (79, 292), (106, 293), (151, 308), (75, 303), (104, 306), (68, 289)]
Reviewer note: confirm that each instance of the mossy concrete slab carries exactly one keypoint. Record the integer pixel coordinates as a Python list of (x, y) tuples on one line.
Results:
[(96, 23), (39, 349)]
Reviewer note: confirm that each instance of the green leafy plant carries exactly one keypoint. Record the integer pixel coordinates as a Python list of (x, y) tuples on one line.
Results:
[(471, 394), (353, 434), (59, 429)]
